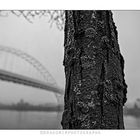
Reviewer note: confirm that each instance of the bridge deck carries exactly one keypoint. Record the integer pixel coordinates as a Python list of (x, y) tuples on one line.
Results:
[(20, 79)]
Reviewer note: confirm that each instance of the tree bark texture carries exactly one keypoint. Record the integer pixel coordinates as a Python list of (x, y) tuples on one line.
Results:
[(95, 89)]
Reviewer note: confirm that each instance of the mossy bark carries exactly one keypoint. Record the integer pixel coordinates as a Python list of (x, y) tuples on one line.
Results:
[(95, 89)]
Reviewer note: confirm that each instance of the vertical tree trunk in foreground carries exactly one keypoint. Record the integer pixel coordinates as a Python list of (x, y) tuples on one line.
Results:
[(95, 90)]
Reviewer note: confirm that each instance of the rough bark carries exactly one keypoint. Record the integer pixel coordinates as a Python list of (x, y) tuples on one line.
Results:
[(95, 89)]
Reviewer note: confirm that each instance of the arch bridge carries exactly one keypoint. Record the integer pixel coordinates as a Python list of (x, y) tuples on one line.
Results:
[(19, 67)]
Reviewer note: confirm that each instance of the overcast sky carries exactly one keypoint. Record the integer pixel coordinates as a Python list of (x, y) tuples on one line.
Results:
[(46, 45)]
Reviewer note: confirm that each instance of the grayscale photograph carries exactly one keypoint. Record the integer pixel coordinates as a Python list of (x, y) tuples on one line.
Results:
[(69, 69)]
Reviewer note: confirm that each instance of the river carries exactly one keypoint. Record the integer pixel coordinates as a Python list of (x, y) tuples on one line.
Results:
[(28, 120), (44, 120)]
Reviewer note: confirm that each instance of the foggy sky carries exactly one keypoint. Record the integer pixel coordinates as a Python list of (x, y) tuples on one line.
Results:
[(46, 45)]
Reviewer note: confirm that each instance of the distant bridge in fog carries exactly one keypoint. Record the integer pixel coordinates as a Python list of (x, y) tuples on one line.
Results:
[(19, 67)]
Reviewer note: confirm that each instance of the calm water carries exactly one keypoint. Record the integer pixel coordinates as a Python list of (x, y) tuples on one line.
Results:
[(132, 123), (44, 120), (29, 120)]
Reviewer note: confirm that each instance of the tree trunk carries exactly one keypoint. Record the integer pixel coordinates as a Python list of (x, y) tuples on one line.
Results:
[(95, 89)]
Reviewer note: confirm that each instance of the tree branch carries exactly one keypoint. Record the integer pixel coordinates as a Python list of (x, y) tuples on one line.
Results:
[(56, 16)]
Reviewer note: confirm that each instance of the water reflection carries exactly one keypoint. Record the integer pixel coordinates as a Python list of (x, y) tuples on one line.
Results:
[(28, 120), (132, 122), (45, 120)]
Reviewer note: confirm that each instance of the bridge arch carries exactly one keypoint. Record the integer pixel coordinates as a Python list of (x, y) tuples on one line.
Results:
[(35, 63)]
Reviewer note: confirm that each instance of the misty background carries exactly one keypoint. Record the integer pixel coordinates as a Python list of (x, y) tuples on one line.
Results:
[(45, 43)]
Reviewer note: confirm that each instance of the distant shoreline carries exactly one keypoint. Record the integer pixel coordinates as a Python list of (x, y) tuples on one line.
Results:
[(32, 108), (24, 110)]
